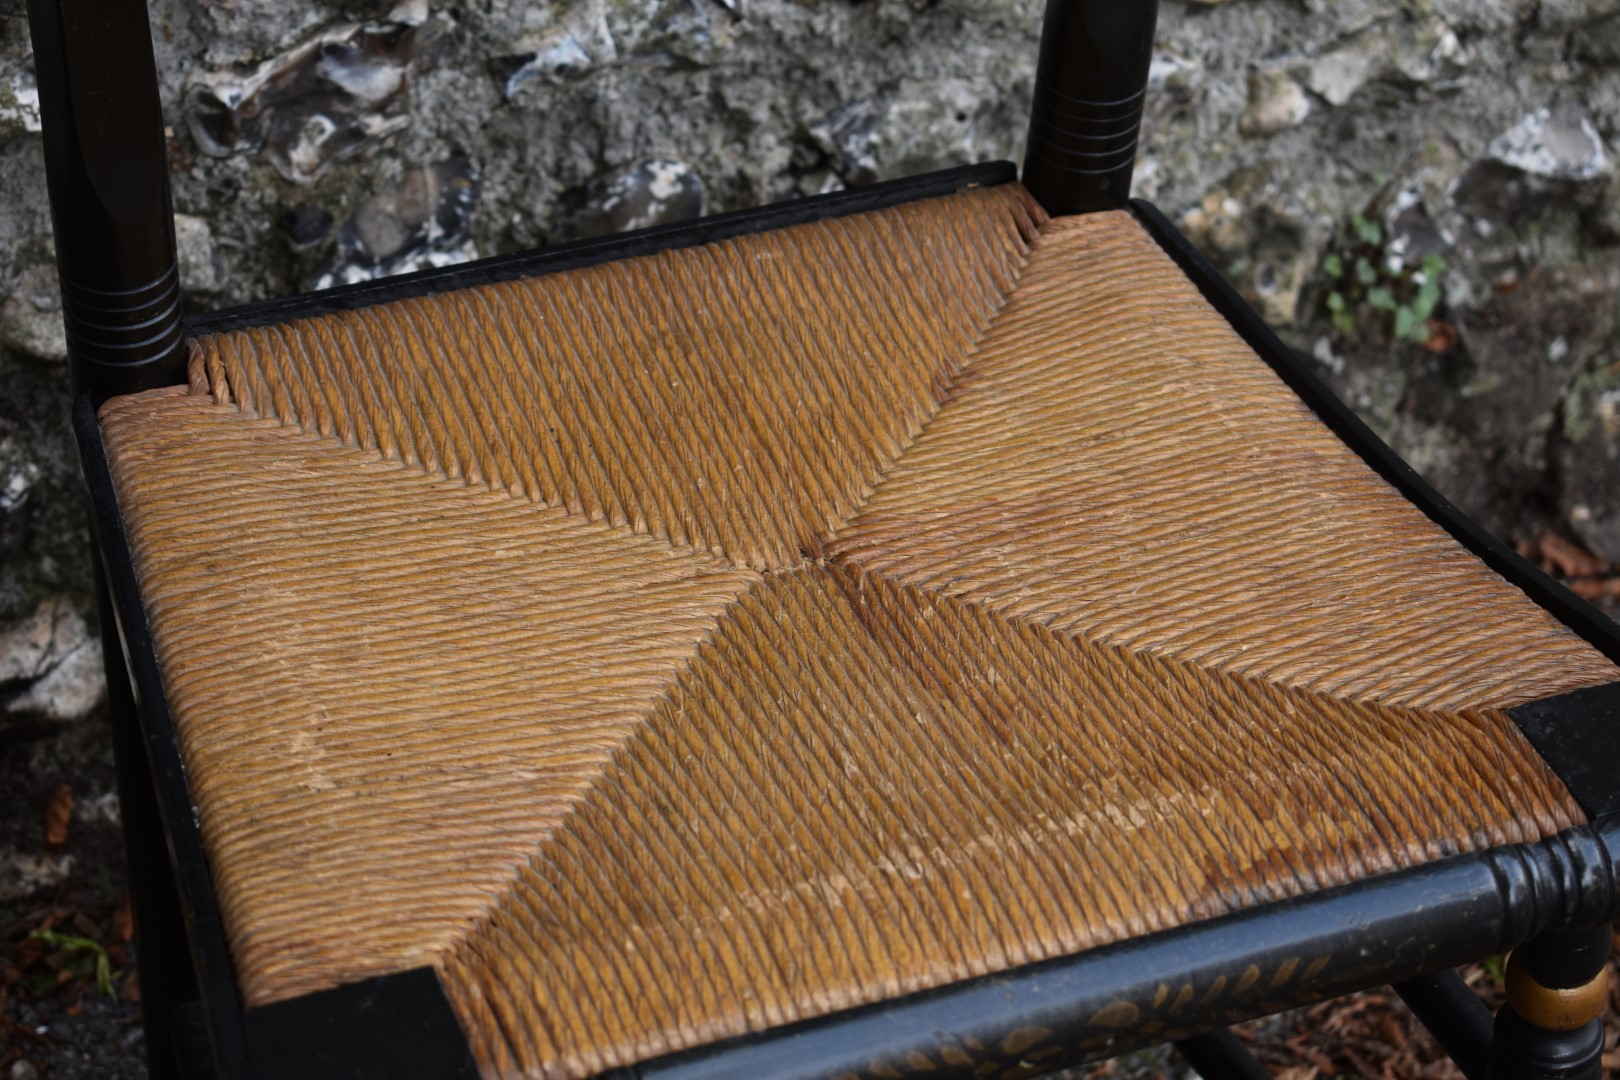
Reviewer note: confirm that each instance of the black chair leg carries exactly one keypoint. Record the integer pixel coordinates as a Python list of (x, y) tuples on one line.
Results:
[(1218, 1055), (167, 980), (1454, 1015), (1551, 1026), (1090, 87)]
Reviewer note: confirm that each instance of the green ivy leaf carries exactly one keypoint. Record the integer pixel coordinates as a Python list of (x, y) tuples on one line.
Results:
[(1427, 299), (1365, 272), (1381, 298), (1368, 231), (1406, 321), (1332, 265)]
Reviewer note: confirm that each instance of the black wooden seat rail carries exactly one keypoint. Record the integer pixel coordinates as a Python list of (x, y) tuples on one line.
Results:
[(1553, 901)]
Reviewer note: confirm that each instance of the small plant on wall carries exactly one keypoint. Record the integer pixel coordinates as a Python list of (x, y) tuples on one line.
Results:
[(1362, 274)]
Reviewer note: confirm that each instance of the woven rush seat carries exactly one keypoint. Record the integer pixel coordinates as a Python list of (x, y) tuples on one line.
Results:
[(698, 643)]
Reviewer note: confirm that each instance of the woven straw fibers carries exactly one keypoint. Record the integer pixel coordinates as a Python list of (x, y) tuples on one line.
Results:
[(1119, 465), (683, 647), (387, 686), (738, 398)]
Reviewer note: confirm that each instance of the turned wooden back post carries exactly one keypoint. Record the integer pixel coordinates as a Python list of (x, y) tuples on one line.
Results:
[(1090, 86), (107, 168)]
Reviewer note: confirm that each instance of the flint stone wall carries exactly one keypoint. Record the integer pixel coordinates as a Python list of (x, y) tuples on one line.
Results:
[(1419, 194)]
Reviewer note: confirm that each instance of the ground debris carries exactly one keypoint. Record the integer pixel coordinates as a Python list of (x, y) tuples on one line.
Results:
[(58, 815), (1587, 575), (61, 962)]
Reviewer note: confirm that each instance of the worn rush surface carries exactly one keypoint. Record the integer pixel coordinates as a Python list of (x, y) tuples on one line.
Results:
[(692, 645)]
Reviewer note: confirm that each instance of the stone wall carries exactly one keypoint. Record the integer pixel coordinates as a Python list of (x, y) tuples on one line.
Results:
[(1418, 193)]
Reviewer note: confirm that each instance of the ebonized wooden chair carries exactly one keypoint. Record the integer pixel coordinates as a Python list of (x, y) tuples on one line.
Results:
[(933, 629)]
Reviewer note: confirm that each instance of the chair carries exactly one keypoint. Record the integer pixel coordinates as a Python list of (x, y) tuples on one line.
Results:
[(930, 629)]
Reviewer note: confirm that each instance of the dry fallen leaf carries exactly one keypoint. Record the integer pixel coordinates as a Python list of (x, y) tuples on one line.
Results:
[(1595, 588), (1567, 559), (124, 921), (1442, 336), (58, 815), (1298, 1072)]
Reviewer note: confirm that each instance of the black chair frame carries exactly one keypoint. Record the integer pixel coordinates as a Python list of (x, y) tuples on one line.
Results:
[(1554, 901)]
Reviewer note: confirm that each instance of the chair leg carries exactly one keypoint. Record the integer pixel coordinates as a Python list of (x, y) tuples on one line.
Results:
[(164, 958), (1550, 1028), (1218, 1055), (1454, 1015)]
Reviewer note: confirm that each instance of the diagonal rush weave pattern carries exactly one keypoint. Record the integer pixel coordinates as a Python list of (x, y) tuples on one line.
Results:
[(685, 646)]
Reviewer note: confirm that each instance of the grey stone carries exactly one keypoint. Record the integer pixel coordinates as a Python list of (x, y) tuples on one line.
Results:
[(653, 191), (1337, 75), (68, 691), (326, 98), (1414, 236), (1566, 15), (194, 246), (102, 809), (22, 874), (32, 646), (19, 105), (1424, 51), (561, 42), (1394, 50), (31, 317), (1557, 142), (421, 222), (15, 484), (306, 227), (1276, 102), (57, 661), (848, 138)]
